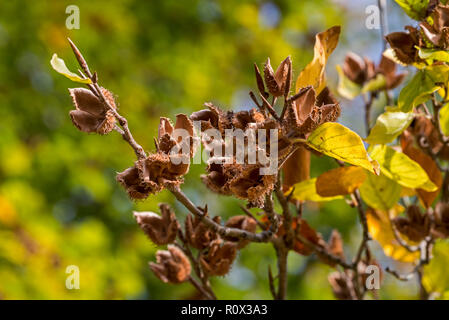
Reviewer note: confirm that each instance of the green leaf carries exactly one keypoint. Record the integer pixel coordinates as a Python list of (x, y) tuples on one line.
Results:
[(435, 276), (417, 90), (306, 191), (59, 65), (400, 168), (346, 88), (376, 84), (415, 9), (433, 54), (444, 119), (388, 126), (341, 143), (379, 192)]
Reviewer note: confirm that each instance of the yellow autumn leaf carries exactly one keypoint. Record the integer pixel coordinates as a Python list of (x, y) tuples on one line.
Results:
[(435, 276), (306, 191), (379, 192), (313, 73), (339, 142), (59, 66), (400, 168), (379, 226), (340, 181)]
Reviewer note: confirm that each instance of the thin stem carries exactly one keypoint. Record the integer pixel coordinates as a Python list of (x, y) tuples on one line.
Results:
[(282, 254), (383, 21), (200, 288), (97, 90), (222, 231), (368, 105)]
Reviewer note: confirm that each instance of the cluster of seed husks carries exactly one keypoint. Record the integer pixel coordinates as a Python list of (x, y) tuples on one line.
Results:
[(162, 168), (433, 32), (304, 112), (216, 254)]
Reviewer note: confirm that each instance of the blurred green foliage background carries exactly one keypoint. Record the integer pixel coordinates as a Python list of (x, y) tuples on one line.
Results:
[(59, 202)]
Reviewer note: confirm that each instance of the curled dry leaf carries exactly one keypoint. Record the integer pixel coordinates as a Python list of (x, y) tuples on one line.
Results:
[(161, 229), (172, 265), (340, 181), (313, 74), (90, 114), (218, 258)]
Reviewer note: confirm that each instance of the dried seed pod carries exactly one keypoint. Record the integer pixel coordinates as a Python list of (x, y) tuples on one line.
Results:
[(218, 258), (341, 284), (426, 135), (334, 247), (441, 226), (306, 112), (161, 229), (198, 234), (357, 69), (306, 231), (404, 45), (416, 226), (172, 265), (388, 68), (244, 223), (165, 167), (438, 32), (90, 114), (276, 81)]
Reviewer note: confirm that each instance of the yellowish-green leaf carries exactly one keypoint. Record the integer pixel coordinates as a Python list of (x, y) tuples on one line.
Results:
[(379, 226), (346, 88), (444, 119), (415, 9), (433, 54), (435, 274), (417, 91), (379, 192), (339, 142), (306, 191), (313, 73), (59, 65), (398, 167), (376, 84), (388, 126)]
